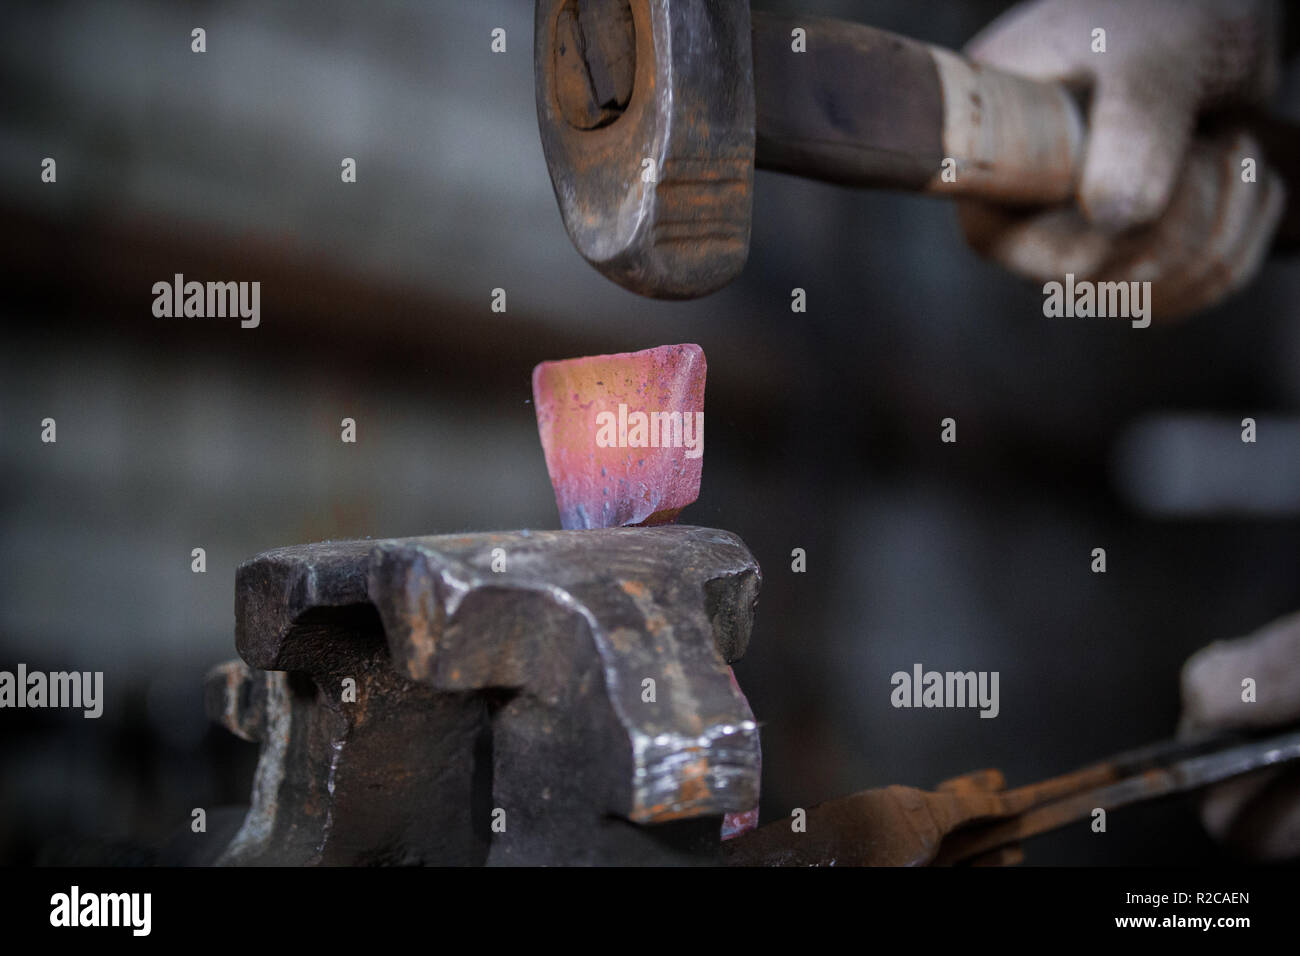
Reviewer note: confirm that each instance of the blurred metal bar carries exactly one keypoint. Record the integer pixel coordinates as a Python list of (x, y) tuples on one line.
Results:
[(1190, 465)]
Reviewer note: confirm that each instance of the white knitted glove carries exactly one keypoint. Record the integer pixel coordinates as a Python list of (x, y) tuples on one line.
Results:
[(1153, 202), (1259, 813)]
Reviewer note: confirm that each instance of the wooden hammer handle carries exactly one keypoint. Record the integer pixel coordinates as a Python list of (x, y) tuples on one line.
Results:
[(863, 107)]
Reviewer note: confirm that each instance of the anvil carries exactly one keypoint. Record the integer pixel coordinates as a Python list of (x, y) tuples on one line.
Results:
[(544, 697)]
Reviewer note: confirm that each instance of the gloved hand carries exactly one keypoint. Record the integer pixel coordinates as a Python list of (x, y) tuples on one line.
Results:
[(1258, 814), (1153, 202)]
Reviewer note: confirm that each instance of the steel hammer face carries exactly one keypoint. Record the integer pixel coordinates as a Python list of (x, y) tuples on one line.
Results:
[(646, 110)]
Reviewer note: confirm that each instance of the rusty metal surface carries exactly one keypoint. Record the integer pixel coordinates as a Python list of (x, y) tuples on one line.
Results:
[(594, 49), (688, 121), (890, 826), (544, 660)]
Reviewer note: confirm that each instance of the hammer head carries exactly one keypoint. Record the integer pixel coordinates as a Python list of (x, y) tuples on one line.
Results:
[(646, 109)]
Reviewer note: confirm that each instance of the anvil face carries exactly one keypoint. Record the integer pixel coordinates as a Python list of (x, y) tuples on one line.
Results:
[(623, 434)]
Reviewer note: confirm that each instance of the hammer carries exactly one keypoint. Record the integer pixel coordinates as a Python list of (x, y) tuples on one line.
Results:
[(654, 114)]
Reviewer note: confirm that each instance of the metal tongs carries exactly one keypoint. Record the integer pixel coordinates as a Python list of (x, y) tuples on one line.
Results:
[(972, 819)]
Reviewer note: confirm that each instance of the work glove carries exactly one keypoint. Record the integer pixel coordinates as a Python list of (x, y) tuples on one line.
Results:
[(1154, 201), (1257, 814)]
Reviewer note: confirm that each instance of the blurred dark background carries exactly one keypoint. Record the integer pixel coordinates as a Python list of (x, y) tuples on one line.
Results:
[(823, 427)]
